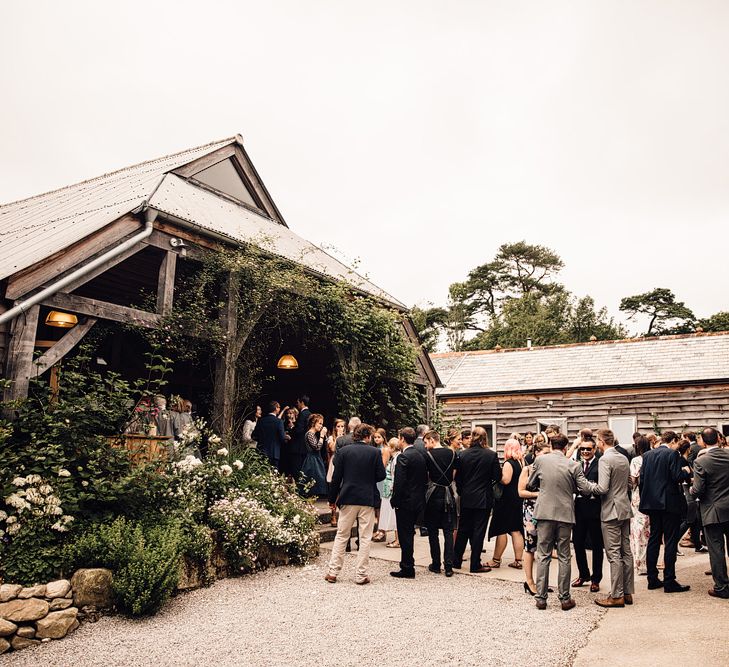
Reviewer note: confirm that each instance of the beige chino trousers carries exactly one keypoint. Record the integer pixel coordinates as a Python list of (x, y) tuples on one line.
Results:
[(348, 515)]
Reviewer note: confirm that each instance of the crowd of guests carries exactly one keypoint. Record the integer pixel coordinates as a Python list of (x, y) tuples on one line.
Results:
[(620, 502)]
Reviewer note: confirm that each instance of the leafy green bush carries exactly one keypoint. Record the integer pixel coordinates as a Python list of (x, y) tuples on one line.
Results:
[(144, 558)]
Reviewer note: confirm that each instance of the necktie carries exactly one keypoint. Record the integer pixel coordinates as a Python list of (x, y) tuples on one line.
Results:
[(587, 465)]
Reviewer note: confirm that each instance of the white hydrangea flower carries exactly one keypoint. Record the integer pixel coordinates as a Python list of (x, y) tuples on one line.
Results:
[(222, 452), (14, 500), (13, 529), (46, 489), (3, 515), (33, 479), (11, 520), (226, 470), (64, 473), (84, 483), (238, 464), (19, 481)]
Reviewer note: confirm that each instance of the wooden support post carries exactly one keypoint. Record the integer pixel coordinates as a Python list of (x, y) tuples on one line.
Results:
[(224, 390), (166, 283), (20, 354)]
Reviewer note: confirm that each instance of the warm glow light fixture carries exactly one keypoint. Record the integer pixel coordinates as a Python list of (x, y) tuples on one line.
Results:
[(62, 320), (287, 363)]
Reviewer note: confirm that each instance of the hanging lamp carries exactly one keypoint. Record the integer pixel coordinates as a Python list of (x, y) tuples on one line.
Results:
[(61, 320), (287, 362)]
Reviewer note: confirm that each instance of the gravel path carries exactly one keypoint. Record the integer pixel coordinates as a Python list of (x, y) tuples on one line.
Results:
[(290, 616)]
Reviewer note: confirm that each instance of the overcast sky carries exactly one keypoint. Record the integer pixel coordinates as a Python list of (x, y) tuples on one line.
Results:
[(416, 136)]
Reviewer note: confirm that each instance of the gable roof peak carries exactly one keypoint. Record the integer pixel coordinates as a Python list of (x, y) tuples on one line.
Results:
[(213, 145)]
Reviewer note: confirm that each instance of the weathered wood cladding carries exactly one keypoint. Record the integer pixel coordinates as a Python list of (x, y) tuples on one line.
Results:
[(690, 407)]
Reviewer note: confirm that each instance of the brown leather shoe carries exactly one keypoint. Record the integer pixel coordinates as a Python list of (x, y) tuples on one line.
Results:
[(481, 569), (628, 597), (541, 604), (364, 581), (568, 604), (330, 578), (611, 602), (577, 583), (594, 588), (719, 594)]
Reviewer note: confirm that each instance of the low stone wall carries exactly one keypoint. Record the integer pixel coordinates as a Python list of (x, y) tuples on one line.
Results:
[(35, 614)]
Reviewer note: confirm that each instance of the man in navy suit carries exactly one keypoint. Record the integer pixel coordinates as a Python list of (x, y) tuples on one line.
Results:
[(663, 501), (587, 519), (408, 499), (269, 433), (298, 444)]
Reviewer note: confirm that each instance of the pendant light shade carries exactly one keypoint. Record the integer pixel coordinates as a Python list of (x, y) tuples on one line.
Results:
[(62, 320), (287, 363)]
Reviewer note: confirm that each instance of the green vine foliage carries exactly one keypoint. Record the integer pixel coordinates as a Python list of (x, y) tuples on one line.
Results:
[(372, 361)]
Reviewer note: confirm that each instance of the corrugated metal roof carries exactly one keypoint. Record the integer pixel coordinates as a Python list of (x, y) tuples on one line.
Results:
[(33, 229), (177, 197), (36, 228), (665, 360)]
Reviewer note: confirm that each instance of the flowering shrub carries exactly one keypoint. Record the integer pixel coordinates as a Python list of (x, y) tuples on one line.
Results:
[(266, 514)]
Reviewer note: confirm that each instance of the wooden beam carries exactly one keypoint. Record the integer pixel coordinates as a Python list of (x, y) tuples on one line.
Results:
[(166, 283), (19, 367), (70, 339), (39, 274), (224, 390), (103, 310)]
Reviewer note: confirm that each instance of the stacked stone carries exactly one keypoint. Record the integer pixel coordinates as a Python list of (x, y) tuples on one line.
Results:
[(35, 614)]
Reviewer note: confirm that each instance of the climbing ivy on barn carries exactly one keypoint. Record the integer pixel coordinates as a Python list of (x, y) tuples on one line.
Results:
[(372, 359)]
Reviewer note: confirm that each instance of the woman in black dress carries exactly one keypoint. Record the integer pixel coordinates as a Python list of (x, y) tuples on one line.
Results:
[(508, 517)]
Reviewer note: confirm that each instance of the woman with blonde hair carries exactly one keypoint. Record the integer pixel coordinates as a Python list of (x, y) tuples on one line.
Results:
[(379, 440), (387, 513), (453, 439), (508, 516)]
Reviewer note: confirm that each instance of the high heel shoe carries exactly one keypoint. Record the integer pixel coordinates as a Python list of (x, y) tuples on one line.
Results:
[(528, 590)]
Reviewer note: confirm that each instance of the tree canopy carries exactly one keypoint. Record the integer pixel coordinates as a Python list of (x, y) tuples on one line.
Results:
[(661, 307)]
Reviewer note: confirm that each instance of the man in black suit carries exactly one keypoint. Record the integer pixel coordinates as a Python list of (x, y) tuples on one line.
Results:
[(587, 522), (477, 468), (298, 443), (711, 487), (663, 501), (408, 499), (420, 431), (269, 434), (354, 489)]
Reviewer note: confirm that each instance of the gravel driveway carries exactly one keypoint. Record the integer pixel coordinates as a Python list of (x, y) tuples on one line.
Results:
[(290, 616)]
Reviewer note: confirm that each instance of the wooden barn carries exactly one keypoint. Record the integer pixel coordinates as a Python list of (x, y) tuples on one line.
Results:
[(644, 384), (87, 252)]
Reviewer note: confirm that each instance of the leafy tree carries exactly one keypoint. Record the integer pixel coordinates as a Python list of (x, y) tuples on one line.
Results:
[(661, 307), (528, 268), (584, 322), (717, 322), (429, 323)]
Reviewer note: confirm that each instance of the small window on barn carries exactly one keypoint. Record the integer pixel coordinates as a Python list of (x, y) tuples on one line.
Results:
[(224, 177), (490, 428), (623, 429), (724, 428)]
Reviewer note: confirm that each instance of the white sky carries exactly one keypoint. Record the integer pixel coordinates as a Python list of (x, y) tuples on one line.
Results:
[(416, 136)]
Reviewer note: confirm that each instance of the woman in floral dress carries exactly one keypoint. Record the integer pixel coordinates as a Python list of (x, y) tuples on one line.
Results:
[(639, 524)]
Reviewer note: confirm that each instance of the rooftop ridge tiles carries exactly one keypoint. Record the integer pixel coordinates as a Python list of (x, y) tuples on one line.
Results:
[(638, 339), (218, 144)]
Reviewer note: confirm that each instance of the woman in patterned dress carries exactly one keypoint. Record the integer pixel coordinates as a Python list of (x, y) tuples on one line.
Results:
[(530, 525), (640, 523)]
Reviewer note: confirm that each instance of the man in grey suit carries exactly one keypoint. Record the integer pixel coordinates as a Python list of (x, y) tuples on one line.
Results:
[(557, 478), (615, 514), (711, 487)]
